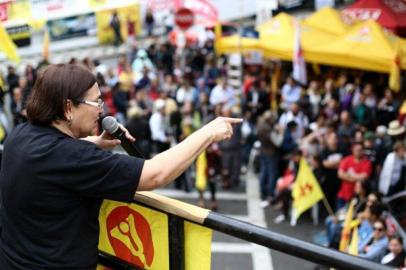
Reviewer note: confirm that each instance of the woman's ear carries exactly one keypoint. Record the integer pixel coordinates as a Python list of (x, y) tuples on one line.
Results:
[(68, 109)]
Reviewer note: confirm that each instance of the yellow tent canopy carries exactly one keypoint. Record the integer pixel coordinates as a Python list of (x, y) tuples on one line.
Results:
[(329, 20), (366, 46), (236, 44), (277, 37)]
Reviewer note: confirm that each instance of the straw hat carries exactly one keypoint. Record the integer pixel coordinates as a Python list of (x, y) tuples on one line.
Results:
[(395, 128)]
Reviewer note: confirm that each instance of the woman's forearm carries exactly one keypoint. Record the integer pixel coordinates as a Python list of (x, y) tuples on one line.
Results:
[(177, 159), (168, 165)]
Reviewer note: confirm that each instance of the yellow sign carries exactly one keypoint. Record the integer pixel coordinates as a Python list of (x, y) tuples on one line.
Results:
[(197, 247), (126, 14), (135, 234), (19, 32)]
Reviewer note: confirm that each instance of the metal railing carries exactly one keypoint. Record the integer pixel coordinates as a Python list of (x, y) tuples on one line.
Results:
[(179, 211)]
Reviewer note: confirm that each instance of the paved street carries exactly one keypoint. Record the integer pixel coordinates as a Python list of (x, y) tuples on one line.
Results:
[(243, 204)]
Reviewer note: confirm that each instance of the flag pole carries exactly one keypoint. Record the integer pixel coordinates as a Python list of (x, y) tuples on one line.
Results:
[(328, 207)]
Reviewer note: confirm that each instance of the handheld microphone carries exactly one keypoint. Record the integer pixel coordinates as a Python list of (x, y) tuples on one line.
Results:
[(112, 127)]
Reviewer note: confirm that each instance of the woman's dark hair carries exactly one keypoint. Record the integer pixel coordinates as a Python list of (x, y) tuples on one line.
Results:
[(54, 86), (396, 237), (366, 187), (377, 209), (379, 220)]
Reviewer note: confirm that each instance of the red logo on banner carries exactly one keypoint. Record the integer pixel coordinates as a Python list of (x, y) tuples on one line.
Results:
[(130, 236), (184, 18)]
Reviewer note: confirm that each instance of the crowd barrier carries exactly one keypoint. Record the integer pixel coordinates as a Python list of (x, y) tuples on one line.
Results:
[(178, 212)]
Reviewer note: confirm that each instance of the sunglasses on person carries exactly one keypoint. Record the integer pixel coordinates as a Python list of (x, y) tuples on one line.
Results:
[(379, 229)]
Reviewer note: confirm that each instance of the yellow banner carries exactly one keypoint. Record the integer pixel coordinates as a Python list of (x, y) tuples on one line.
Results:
[(105, 32), (306, 191), (197, 247), (135, 234), (394, 75)]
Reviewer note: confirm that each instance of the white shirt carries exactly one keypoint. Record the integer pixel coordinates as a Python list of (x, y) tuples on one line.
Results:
[(388, 257), (221, 95), (290, 94), (158, 126), (185, 95), (301, 120)]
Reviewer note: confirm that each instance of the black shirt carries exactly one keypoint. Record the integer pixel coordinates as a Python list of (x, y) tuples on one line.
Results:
[(332, 182), (52, 187)]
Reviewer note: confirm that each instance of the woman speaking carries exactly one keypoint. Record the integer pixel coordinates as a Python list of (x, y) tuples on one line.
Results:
[(55, 175)]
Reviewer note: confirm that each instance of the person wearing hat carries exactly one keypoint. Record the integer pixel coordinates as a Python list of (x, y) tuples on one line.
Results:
[(395, 129)]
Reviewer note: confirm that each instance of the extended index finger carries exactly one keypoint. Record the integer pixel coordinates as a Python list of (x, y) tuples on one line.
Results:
[(233, 120)]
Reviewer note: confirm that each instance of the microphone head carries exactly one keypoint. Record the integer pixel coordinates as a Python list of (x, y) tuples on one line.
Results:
[(110, 124)]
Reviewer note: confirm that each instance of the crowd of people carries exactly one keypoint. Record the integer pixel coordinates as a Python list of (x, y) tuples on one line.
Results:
[(348, 125)]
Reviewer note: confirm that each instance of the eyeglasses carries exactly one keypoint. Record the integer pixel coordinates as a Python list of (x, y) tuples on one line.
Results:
[(99, 104), (380, 229)]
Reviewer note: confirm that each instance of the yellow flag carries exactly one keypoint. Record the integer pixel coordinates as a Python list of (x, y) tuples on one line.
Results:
[(306, 191), (134, 233), (197, 247), (353, 249), (7, 46), (201, 171), (345, 233), (394, 76), (45, 44)]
